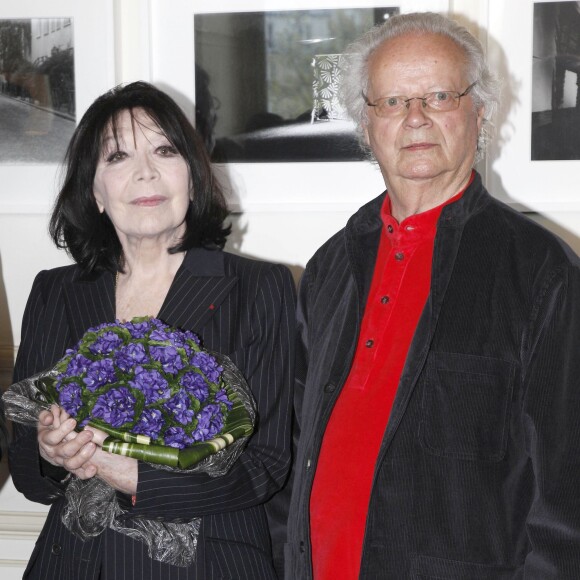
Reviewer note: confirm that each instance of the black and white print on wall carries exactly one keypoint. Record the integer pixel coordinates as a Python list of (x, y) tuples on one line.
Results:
[(556, 81), (37, 89), (267, 83)]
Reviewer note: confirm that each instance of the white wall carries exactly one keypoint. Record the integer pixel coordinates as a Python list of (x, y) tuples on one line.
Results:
[(288, 234)]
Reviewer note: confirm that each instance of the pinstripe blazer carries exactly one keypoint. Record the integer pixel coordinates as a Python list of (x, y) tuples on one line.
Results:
[(240, 307)]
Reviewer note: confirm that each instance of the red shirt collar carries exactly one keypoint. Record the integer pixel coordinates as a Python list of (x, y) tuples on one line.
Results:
[(417, 226)]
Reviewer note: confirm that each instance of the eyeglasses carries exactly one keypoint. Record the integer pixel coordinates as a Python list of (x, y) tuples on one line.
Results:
[(437, 102)]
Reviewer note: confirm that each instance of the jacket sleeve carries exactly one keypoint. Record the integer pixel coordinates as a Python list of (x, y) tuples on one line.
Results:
[(551, 415), (37, 479), (263, 466)]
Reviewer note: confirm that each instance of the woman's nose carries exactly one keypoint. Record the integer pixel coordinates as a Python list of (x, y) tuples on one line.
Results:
[(146, 168)]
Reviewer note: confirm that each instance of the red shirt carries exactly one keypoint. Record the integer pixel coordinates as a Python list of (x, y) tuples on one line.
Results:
[(344, 474)]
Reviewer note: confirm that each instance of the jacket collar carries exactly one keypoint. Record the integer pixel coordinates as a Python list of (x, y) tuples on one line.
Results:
[(471, 202), (199, 288), (367, 219)]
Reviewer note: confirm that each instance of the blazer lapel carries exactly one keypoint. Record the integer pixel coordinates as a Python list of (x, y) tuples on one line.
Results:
[(199, 288), (89, 302)]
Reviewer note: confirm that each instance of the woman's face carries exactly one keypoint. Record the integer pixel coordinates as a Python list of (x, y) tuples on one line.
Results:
[(142, 182)]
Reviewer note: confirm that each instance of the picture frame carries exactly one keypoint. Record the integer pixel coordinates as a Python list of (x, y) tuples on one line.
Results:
[(511, 174), (29, 187), (264, 186)]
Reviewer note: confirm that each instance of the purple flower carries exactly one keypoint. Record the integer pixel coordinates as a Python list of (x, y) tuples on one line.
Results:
[(77, 365), (191, 336), (106, 343), (208, 365), (137, 329), (177, 437), (103, 325), (160, 334), (168, 357), (70, 398), (179, 406), (210, 422), (158, 324), (195, 384), (100, 373), (150, 423), (222, 397), (129, 356), (151, 383), (116, 407)]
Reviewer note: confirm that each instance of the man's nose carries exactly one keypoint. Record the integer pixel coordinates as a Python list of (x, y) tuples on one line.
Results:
[(416, 111)]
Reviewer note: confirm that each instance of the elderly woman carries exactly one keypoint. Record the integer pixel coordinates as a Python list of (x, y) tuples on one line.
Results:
[(142, 216)]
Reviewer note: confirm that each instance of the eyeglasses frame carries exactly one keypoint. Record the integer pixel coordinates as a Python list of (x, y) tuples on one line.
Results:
[(407, 101)]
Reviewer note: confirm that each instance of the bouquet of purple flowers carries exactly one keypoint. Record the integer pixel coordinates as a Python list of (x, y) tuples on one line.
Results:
[(153, 389), (161, 398)]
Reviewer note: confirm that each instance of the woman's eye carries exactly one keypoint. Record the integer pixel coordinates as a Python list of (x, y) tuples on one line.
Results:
[(116, 156), (167, 150)]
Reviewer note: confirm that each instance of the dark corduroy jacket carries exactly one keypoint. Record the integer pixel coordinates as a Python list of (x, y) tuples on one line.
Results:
[(478, 474)]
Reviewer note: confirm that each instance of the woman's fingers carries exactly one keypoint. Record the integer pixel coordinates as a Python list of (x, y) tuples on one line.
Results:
[(77, 452), (98, 435), (59, 444)]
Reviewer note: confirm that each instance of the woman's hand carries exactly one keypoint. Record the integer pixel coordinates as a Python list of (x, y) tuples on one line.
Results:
[(119, 472), (81, 453), (61, 445)]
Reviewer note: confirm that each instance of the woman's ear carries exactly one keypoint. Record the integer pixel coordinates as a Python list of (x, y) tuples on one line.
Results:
[(99, 199)]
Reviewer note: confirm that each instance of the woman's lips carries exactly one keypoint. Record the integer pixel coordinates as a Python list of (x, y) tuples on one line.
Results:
[(149, 201)]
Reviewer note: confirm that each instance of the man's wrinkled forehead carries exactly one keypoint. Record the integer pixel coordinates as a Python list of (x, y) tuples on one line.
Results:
[(416, 51)]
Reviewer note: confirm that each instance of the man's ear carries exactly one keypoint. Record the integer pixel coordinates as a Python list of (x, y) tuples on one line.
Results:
[(366, 134), (480, 116)]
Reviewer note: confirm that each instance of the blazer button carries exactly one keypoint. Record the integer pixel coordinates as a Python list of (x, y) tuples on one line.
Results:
[(329, 388), (302, 548), (56, 549)]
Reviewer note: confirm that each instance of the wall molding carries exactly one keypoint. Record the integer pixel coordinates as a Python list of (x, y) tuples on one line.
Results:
[(20, 525), (5, 563)]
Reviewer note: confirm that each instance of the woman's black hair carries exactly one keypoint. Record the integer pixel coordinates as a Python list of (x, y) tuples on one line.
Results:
[(88, 235)]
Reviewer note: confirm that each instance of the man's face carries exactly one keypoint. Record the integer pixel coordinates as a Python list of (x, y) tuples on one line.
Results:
[(416, 144)]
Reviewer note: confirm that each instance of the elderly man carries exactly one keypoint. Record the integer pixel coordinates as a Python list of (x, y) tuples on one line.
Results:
[(439, 399)]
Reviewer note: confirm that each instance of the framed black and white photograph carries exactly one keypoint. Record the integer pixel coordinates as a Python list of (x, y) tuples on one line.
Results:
[(263, 76), (37, 89), (266, 83), (534, 161), (556, 81), (45, 49)]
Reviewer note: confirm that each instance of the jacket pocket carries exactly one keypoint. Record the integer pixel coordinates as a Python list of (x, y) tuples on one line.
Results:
[(429, 568), (465, 406)]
